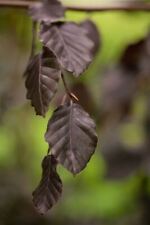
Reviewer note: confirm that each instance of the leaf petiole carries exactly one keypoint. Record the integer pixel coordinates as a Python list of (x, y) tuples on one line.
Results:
[(68, 92)]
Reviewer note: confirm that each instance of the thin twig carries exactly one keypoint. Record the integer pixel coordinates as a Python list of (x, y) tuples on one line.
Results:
[(112, 7), (68, 92), (65, 85), (34, 37), (103, 7), (16, 3)]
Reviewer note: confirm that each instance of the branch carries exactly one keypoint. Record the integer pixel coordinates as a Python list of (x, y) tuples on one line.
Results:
[(111, 7), (15, 3)]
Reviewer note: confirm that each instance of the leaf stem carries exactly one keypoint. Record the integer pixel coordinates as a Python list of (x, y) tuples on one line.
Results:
[(34, 36), (65, 84), (68, 92)]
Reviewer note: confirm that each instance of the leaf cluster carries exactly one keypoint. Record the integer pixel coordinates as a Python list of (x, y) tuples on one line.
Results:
[(67, 49)]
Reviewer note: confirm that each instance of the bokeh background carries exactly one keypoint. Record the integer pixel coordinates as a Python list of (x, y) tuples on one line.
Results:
[(115, 90)]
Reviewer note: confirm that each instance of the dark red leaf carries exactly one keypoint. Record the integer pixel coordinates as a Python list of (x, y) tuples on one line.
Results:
[(71, 45), (50, 188), (47, 11), (133, 54), (42, 76), (93, 34), (118, 91), (120, 160), (72, 137)]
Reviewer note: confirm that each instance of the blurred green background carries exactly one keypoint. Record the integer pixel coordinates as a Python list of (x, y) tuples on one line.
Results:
[(88, 196)]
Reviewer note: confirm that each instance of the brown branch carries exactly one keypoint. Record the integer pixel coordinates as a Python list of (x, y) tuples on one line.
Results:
[(15, 3), (111, 7)]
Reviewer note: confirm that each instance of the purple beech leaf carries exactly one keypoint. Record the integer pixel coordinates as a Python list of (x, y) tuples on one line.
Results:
[(42, 76), (146, 157), (147, 121), (93, 35), (50, 188), (136, 58), (71, 45), (71, 136), (133, 54), (48, 11), (118, 91), (120, 160)]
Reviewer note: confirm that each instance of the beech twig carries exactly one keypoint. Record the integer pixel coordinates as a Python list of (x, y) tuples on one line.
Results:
[(103, 7)]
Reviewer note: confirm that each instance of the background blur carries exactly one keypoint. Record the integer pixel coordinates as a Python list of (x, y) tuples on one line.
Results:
[(115, 187)]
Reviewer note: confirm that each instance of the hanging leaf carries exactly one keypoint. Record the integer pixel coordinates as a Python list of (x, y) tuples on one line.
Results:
[(118, 91), (50, 187), (71, 45), (93, 35), (132, 56), (71, 136), (42, 76), (120, 160), (47, 11)]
